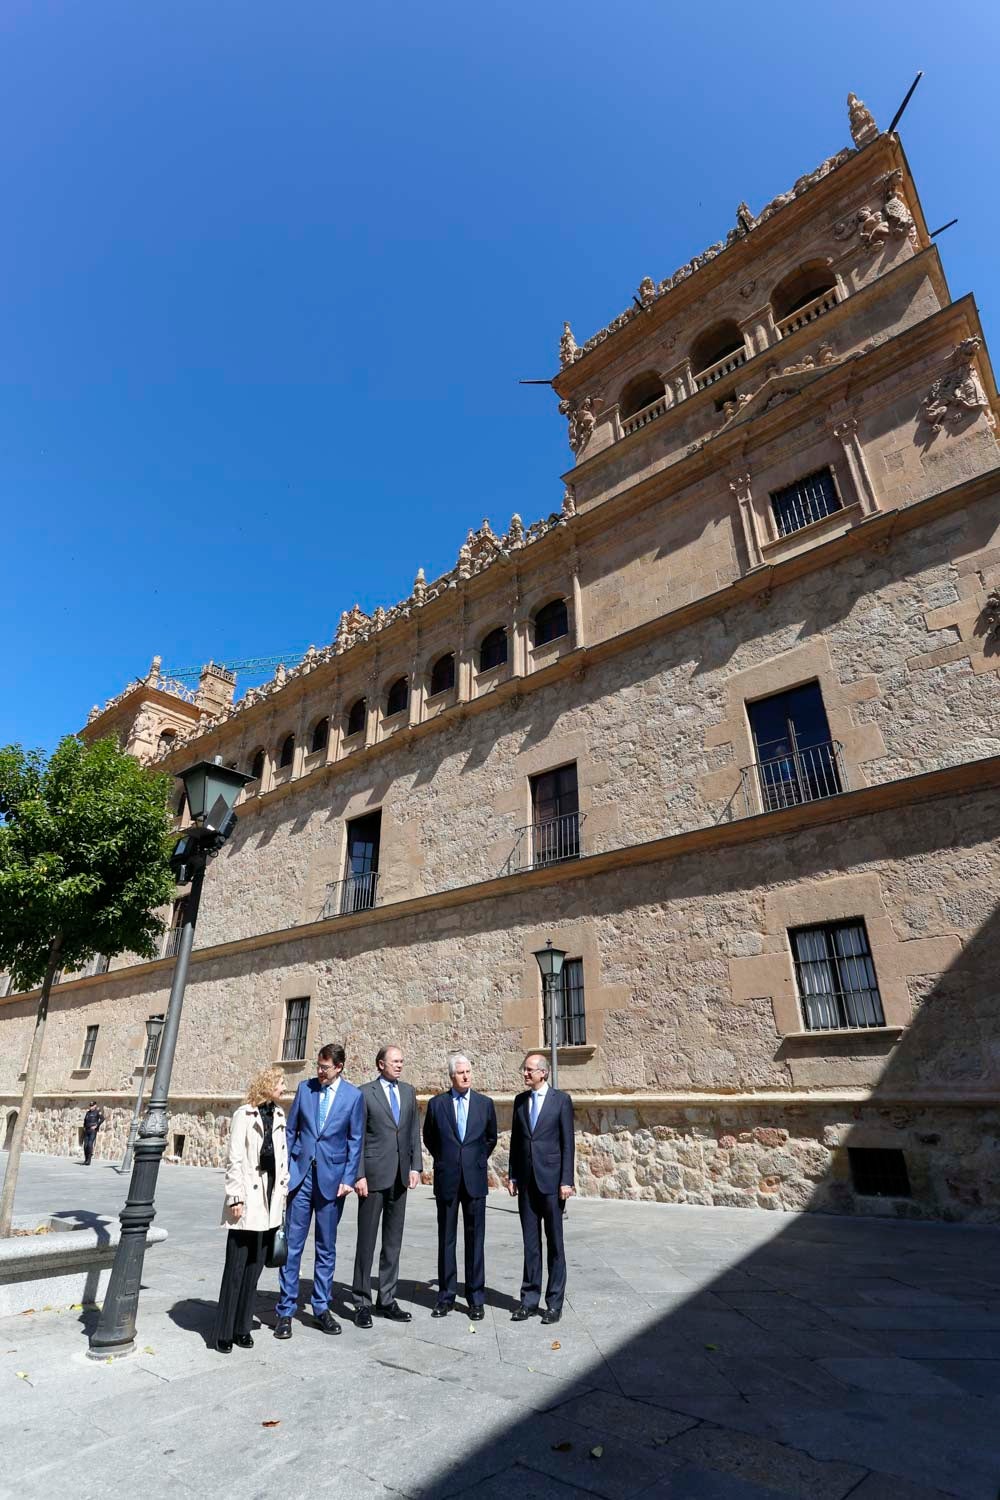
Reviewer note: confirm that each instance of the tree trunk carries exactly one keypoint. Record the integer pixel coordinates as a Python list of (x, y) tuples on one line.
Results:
[(27, 1096)]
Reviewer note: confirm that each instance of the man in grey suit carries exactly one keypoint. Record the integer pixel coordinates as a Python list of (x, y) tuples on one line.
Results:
[(391, 1165)]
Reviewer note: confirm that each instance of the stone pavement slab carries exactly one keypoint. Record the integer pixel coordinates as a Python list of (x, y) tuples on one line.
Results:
[(704, 1354)]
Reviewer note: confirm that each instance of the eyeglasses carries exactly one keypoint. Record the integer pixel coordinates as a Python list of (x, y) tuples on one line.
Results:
[(532, 1070)]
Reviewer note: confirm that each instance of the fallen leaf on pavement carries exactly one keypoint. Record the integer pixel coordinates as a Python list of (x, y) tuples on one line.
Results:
[(148, 1349), (561, 1447), (556, 1344), (27, 1312), (22, 1375), (597, 1452), (473, 1328), (275, 1422), (713, 1347)]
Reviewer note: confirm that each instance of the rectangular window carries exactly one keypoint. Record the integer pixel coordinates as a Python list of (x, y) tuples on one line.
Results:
[(152, 1050), (836, 979), (555, 816), (879, 1172), (572, 1029), (364, 836), (89, 1043), (796, 759), (296, 1029), (805, 501), (172, 938)]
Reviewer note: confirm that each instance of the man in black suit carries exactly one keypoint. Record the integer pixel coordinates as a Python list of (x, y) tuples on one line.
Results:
[(542, 1155), (391, 1165), (460, 1132)]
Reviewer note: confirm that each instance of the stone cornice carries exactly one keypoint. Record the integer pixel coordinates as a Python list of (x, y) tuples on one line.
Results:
[(968, 777)]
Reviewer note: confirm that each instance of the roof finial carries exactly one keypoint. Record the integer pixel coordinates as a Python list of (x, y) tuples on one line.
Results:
[(567, 347), (863, 127)]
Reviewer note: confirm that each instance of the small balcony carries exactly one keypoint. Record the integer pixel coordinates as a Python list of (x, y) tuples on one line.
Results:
[(721, 368), (546, 843), (645, 416), (805, 774), (823, 303), (356, 893)]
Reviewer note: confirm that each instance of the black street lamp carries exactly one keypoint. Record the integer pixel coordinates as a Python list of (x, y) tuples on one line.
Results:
[(211, 789), (550, 962), (154, 1027)]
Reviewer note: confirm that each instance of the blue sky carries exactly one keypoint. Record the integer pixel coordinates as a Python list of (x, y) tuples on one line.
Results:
[(269, 275)]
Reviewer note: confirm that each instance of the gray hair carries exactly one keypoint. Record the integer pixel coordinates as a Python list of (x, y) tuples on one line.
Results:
[(454, 1058), (541, 1058)]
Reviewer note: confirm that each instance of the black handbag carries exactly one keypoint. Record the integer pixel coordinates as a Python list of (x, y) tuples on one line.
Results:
[(277, 1250)]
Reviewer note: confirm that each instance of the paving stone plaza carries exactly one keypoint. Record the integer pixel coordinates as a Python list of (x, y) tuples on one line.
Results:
[(704, 1354)]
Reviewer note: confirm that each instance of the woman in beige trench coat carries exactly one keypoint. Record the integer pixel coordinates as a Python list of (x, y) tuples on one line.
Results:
[(256, 1188)]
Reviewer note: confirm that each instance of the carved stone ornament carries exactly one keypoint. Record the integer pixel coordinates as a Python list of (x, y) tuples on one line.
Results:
[(958, 392), (740, 483), (991, 614), (568, 350), (647, 291), (568, 507), (873, 228), (748, 288), (582, 419), (896, 211), (862, 121), (420, 587)]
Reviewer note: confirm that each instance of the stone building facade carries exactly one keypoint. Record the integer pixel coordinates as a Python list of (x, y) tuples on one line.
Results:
[(724, 727)]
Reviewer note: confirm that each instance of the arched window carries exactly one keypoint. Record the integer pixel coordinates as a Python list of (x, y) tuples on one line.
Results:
[(722, 345), (320, 736), (257, 765), (443, 674), (639, 393), (551, 621), (166, 740), (493, 649), (397, 698), (287, 751), (356, 716), (808, 284)]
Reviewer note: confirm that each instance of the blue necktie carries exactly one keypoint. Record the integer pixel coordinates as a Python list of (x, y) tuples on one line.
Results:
[(394, 1102), (534, 1110), (463, 1105), (324, 1105)]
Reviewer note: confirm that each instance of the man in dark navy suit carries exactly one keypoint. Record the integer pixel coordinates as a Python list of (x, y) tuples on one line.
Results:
[(325, 1133), (460, 1132), (542, 1157)]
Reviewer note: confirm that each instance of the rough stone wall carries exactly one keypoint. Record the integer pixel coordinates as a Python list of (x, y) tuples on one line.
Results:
[(641, 728)]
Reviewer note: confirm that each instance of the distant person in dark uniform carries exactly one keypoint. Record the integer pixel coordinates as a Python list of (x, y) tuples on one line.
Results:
[(92, 1122)]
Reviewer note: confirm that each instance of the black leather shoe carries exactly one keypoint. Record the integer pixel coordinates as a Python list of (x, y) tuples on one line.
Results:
[(522, 1314), (441, 1310), (283, 1328), (327, 1322), (243, 1341), (393, 1312), (551, 1315), (224, 1346), (477, 1312), (363, 1317)]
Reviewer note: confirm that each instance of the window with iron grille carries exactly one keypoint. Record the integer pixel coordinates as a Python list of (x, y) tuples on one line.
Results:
[(555, 808), (805, 501), (879, 1172), (572, 1014), (836, 979), (493, 649), (89, 1043), (296, 1029)]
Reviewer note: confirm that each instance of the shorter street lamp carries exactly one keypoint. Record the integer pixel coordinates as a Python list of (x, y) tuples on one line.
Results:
[(211, 790), (154, 1026), (550, 962)]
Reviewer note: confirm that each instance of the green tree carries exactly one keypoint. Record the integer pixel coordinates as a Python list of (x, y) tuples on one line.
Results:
[(84, 860)]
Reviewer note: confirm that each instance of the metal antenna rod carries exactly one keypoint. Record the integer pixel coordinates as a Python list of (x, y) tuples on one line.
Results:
[(534, 382), (909, 94), (943, 227)]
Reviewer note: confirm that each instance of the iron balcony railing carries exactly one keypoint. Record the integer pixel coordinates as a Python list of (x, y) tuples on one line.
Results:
[(172, 942), (546, 843), (356, 893), (805, 774)]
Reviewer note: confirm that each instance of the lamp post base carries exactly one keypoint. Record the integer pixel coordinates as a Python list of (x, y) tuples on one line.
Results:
[(111, 1352)]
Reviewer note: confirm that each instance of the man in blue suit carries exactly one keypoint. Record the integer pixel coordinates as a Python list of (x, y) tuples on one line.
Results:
[(460, 1132), (325, 1132), (542, 1155)]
